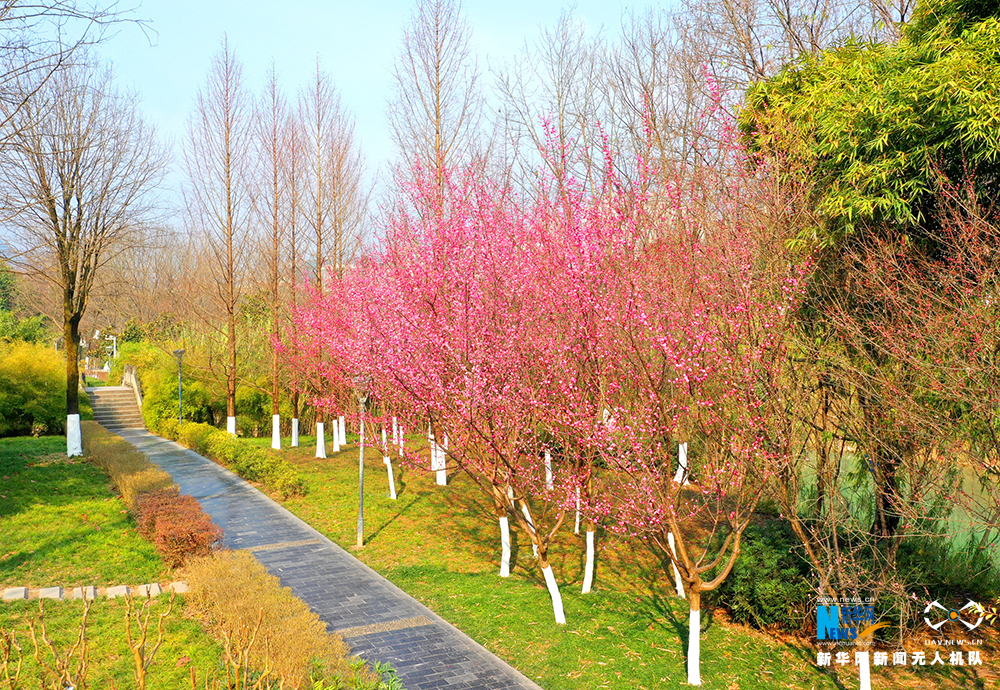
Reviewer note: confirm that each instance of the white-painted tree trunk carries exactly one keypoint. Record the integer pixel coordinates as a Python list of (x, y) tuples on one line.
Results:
[(343, 430), (678, 581), (392, 478), (864, 670), (694, 648), (385, 444), (557, 607), (231, 425), (402, 450), (576, 523), (548, 470), (320, 441), (442, 474), (74, 438), (395, 432), (336, 437), (588, 571), (276, 432), (682, 464), (527, 516), (295, 432), (504, 547)]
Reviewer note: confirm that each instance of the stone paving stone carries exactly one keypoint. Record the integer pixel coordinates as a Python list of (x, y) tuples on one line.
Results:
[(15, 593), (88, 592), (178, 587), (345, 593), (152, 590), (50, 593), (119, 591)]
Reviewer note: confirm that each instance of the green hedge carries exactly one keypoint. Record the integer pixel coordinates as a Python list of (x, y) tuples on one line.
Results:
[(253, 464)]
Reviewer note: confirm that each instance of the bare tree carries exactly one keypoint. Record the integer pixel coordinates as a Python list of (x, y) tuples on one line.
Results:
[(436, 112), (272, 118), (334, 204), (294, 183), (78, 175), (39, 37), (551, 102), (217, 157)]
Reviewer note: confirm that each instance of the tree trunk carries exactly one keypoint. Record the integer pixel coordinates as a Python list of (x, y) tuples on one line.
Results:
[(504, 546), (320, 441), (678, 581), (588, 572), (550, 583), (71, 333), (694, 637)]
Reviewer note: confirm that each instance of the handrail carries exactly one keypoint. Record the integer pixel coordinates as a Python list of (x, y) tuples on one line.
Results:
[(130, 378)]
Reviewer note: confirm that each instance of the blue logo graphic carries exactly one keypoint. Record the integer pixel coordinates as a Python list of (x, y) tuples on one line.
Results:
[(842, 622)]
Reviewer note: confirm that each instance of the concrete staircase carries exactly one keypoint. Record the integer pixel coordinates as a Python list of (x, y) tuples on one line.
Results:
[(115, 407)]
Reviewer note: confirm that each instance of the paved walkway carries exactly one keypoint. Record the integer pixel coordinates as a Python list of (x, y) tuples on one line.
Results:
[(380, 621)]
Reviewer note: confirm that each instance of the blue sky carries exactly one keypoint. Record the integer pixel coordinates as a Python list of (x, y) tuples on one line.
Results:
[(356, 43)]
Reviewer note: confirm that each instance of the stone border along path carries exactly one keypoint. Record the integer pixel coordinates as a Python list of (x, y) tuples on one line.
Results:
[(141, 592), (377, 619)]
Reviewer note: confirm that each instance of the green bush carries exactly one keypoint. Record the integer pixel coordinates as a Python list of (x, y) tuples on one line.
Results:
[(195, 436), (32, 329), (33, 391), (769, 586), (253, 464)]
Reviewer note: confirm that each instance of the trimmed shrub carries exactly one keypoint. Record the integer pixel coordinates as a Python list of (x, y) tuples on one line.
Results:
[(278, 634), (253, 464), (195, 436), (176, 525), (129, 469)]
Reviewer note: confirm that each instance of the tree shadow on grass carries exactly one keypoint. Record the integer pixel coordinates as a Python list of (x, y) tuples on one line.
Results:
[(378, 530)]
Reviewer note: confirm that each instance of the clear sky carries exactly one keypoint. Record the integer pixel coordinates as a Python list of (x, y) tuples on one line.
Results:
[(356, 41)]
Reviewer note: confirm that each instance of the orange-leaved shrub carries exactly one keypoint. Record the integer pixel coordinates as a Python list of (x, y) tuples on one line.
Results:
[(176, 525)]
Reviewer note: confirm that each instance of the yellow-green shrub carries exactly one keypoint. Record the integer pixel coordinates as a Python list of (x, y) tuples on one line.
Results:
[(33, 390)]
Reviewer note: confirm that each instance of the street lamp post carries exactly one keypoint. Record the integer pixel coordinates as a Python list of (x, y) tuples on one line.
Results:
[(114, 345), (179, 354), (361, 390)]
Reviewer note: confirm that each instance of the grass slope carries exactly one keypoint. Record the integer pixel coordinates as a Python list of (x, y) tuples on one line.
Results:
[(60, 524), (442, 546)]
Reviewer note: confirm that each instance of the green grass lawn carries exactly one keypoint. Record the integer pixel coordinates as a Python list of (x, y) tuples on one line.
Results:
[(442, 546), (60, 524)]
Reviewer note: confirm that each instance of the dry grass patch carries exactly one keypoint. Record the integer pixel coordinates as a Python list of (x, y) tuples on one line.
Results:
[(129, 469), (264, 628)]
